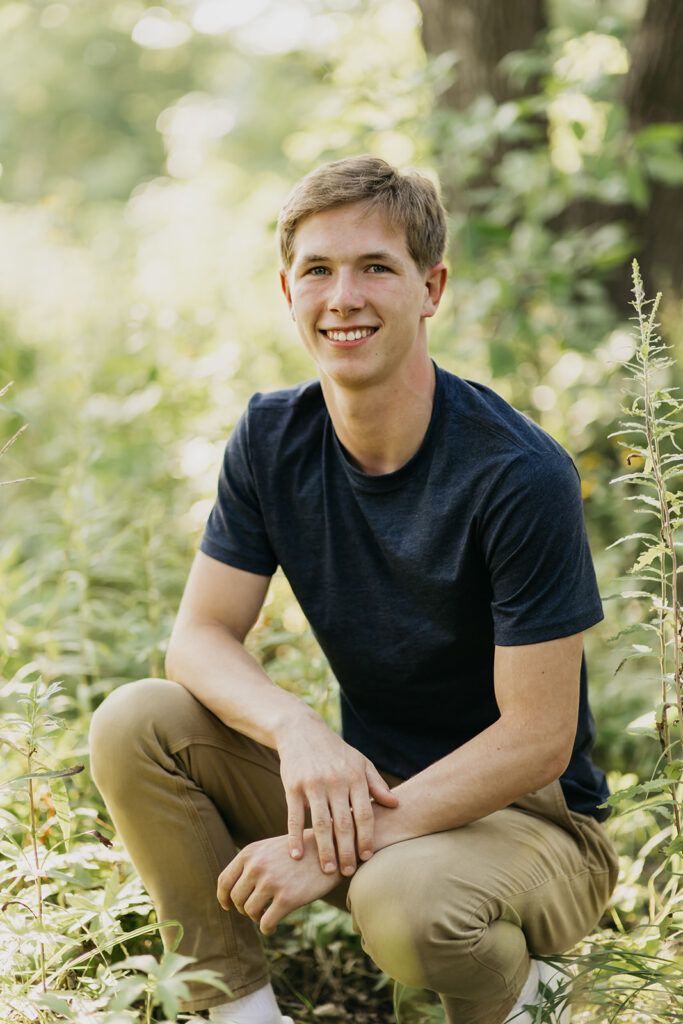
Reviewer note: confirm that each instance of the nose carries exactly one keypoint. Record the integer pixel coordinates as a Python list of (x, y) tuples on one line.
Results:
[(345, 296)]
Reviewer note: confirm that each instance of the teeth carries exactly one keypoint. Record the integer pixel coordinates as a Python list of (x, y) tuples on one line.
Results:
[(362, 332)]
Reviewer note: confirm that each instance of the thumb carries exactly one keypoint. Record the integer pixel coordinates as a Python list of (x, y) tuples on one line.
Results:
[(379, 789)]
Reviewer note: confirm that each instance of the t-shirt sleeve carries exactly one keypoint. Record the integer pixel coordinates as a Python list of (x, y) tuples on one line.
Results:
[(235, 532), (536, 550)]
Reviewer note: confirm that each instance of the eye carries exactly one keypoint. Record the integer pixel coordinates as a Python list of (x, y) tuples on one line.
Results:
[(378, 268), (317, 271)]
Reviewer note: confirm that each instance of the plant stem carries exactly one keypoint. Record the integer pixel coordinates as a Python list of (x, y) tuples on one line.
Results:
[(647, 327), (38, 883)]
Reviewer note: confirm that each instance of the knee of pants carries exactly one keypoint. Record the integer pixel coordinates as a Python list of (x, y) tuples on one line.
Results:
[(388, 913), (125, 726), (423, 932)]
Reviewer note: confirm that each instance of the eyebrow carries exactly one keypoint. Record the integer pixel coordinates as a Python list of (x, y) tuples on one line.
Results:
[(314, 258)]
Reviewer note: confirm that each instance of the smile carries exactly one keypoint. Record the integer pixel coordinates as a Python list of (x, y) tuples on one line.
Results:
[(355, 335)]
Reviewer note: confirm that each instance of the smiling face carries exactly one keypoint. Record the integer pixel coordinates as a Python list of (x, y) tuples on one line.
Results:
[(359, 299)]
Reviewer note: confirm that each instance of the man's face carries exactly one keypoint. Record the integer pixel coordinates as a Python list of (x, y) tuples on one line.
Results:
[(358, 298)]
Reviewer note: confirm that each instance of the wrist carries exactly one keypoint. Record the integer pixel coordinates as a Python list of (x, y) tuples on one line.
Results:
[(293, 722), (390, 826)]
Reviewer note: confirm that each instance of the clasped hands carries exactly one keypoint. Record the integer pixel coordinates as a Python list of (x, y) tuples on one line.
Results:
[(270, 878)]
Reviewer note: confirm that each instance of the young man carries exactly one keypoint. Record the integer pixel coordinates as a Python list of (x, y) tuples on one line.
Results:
[(434, 538)]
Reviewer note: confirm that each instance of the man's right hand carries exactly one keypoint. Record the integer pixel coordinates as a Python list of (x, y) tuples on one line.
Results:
[(319, 770)]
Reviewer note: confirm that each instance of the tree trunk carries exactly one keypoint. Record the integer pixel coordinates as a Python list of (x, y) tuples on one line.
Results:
[(482, 32), (653, 93)]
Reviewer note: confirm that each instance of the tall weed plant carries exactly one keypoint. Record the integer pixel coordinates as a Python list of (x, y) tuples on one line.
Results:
[(637, 975)]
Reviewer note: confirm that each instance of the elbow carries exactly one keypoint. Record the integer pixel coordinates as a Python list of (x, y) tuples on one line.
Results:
[(554, 762), (169, 669), (172, 659)]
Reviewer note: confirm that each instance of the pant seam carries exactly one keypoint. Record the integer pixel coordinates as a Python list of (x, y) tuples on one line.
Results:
[(202, 741), (523, 892), (229, 939)]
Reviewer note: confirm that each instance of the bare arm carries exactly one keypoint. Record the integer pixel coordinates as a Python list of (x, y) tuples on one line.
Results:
[(318, 769), (206, 653), (529, 746)]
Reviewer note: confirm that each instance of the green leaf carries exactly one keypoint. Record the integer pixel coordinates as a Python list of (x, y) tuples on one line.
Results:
[(632, 536), (674, 771), (637, 628), (644, 498), (637, 186), (169, 992), (675, 847), (172, 962), (643, 725), (60, 773), (649, 556), (127, 991), (57, 1003), (144, 963), (60, 799), (664, 133), (666, 167), (640, 789)]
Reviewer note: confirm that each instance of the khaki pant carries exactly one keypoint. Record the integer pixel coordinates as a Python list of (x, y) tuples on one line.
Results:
[(457, 912)]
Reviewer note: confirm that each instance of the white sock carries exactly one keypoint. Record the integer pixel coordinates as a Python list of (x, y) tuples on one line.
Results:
[(527, 997), (257, 1008), (540, 973)]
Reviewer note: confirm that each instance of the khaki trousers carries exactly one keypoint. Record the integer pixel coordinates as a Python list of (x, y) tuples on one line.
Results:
[(457, 912)]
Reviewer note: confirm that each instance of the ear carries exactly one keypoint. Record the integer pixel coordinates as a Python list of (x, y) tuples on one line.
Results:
[(284, 284), (435, 282)]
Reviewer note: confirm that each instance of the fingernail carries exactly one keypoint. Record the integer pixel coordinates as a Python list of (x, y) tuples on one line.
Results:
[(366, 855), (330, 866), (348, 870), (296, 854)]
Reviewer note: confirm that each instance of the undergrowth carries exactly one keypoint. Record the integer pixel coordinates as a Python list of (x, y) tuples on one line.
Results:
[(78, 937)]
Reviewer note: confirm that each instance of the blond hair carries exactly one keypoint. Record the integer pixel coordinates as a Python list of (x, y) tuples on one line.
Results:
[(408, 200)]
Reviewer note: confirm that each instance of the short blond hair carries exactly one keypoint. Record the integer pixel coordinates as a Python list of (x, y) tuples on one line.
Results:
[(409, 200)]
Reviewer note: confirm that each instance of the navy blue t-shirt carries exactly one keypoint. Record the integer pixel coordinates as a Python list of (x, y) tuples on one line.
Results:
[(411, 578)]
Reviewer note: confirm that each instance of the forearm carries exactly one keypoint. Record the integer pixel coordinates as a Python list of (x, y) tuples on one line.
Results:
[(215, 667), (491, 771), (530, 745)]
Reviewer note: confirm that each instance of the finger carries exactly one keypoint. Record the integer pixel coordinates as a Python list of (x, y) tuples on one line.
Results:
[(272, 916), (364, 820), (226, 881), (295, 825), (321, 820), (379, 789), (256, 904), (240, 893), (344, 834)]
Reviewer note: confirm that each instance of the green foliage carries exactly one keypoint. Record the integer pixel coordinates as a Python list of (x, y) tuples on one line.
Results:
[(144, 158), (637, 976)]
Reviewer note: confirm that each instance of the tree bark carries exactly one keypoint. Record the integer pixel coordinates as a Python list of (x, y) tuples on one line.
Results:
[(482, 32), (653, 93)]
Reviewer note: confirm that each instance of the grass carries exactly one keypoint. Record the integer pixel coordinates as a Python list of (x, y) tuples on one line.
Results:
[(92, 576)]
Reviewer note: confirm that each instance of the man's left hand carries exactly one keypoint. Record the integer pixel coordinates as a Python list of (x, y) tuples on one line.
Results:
[(264, 883)]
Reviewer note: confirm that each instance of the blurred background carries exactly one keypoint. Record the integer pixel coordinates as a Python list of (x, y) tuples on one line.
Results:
[(144, 155), (145, 151)]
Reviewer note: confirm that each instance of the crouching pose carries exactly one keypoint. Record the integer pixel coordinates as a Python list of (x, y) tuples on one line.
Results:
[(434, 539)]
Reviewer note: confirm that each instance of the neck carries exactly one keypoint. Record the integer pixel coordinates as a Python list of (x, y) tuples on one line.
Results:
[(382, 426)]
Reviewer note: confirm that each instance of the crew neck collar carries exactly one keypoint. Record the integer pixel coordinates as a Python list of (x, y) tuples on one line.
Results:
[(391, 481)]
